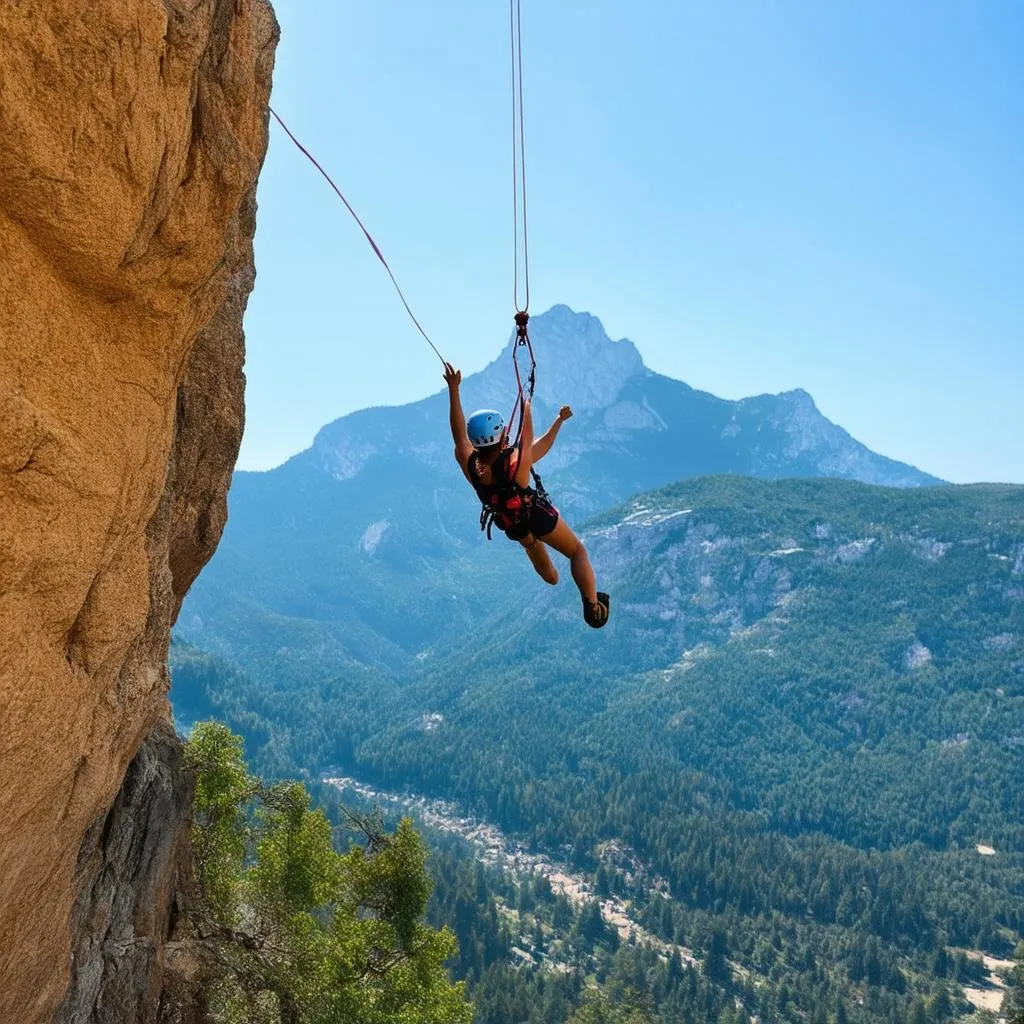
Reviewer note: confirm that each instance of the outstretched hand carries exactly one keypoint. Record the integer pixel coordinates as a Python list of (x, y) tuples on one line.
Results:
[(452, 377), (565, 413)]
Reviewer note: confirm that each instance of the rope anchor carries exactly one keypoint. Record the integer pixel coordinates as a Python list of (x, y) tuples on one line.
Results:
[(522, 319), (524, 390)]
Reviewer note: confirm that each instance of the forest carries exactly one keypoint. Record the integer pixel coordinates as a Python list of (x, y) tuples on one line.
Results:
[(810, 726)]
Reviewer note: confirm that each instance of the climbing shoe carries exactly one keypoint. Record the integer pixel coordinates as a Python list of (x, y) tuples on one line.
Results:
[(596, 614)]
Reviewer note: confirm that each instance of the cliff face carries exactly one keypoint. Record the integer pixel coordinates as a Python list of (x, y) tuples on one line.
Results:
[(131, 136), (133, 886)]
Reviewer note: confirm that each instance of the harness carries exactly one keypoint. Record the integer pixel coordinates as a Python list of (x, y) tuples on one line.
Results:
[(504, 502)]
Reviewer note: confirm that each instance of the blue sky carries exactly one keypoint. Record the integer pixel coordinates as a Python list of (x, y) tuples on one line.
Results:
[(761, 196)]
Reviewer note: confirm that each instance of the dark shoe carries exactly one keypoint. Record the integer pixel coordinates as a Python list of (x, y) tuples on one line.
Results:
[(596, 614)]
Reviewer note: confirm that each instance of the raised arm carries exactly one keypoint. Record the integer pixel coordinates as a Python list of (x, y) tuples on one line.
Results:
[(525, 462), (456, 417), (543, 445)]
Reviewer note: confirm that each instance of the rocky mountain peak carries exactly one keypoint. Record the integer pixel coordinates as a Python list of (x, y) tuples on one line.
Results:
[(681, 432), (798, 399), (577, 363)]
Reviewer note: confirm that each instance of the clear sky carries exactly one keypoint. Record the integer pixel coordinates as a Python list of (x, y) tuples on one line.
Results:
[(761, 196)]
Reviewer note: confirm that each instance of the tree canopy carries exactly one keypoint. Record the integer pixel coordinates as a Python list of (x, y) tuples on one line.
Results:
[(306, 934)]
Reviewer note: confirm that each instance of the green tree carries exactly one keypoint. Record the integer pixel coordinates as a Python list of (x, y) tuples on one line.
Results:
[(1013, 1004), (305, 934), (590, 924), (940, 1008), (716, 963), (598, 1009)]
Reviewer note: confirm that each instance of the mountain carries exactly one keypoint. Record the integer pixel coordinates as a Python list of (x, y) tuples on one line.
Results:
[(806, 718), (635, 429), (874, 636), (364, 548)]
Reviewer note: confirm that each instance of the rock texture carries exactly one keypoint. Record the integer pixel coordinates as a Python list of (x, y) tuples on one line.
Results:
[(131, 869), (131, 136)]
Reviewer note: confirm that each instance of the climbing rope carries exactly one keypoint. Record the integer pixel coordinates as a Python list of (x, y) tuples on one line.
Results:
[(524, 391), (518, 159), (309, 156), (525, 381)]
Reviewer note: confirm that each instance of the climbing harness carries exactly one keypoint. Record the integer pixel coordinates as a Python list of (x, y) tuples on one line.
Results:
[(504, 503), (330, 181), (515, 508)]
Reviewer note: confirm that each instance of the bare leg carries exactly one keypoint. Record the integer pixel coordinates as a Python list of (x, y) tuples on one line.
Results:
[(565, 542), (540, 559)]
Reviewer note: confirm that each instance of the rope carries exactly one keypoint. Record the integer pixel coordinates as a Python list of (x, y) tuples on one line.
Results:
[(518, 157), (312, 159), (524, 393)]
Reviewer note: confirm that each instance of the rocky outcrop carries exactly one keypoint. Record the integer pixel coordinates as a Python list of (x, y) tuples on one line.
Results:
[(131, 870), (802, 438), (581, 365), (131, 136)]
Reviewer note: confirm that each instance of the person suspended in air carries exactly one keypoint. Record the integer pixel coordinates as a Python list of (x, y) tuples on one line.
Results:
[(500, 474)]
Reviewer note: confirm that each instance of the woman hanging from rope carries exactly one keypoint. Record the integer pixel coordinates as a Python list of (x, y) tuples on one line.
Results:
[(500, 475)]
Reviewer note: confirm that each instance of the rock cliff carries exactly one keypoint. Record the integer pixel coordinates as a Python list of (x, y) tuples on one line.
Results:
[(131, 137)]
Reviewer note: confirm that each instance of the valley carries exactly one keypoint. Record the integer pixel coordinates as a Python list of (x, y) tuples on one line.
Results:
[(497, 850), (803, 725)]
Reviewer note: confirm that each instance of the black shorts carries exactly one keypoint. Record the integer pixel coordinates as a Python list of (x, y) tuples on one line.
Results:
[(543, 518)]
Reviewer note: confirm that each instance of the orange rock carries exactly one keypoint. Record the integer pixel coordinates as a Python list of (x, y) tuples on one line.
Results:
[(131, 136)]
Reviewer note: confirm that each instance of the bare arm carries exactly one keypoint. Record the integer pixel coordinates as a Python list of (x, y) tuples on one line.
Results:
[(525, 462), (457, 418), (543, 445)]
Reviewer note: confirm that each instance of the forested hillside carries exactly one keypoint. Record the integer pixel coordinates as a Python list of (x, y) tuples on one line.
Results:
[(807, 717)]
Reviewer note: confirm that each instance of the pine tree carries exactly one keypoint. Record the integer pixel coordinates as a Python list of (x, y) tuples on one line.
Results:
[(940, 1008), (716, 964), (1013, 1004), (304, 934)]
